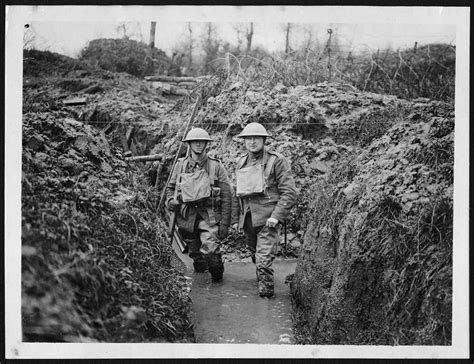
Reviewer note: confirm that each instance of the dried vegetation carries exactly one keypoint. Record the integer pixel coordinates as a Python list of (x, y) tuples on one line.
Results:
[(96, 265)]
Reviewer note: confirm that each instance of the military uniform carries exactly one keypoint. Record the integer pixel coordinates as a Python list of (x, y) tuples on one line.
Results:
[(198, 223), (252, 212)]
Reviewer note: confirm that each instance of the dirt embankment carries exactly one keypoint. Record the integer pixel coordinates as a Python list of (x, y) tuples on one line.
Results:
[(376, 261), (96, 264)]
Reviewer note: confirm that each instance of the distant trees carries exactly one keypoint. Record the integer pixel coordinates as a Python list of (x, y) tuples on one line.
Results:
[(210, 47), (190, 45), (308, 54)]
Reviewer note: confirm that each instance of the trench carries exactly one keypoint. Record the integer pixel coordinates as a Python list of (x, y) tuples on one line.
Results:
[(231, 311)]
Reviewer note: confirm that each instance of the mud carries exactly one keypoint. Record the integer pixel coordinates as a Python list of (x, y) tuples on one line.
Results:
[(231, 311)]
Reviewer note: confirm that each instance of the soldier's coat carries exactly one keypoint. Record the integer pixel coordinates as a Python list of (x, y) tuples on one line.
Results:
[(277, 200), (188, 213)]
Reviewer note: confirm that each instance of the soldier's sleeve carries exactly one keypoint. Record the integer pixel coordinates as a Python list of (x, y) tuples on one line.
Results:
[(226, 194), (235, 200), (172, 184), (235, 207), (286, 188)]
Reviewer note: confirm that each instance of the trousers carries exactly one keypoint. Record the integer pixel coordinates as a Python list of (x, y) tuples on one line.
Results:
[(263, 242), (203, 244)]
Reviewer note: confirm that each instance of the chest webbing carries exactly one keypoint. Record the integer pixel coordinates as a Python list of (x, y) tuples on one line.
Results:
[(268, 166)]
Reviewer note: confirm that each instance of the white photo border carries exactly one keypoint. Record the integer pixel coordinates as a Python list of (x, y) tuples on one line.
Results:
[(17, 16)]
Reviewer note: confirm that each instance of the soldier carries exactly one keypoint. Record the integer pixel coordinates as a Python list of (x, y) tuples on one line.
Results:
[(199, 193), (265, 194)]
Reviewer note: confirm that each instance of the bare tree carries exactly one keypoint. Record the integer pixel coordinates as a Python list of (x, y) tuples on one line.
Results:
[(309, 40), (249, 36), (152, 34), (287, 37), (130, 30), (238, 30), (210, 45), (33, 40), (190, 45), (123, 28), (29, 38)]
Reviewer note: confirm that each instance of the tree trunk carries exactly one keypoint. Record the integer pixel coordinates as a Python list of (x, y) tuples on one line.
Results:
[(249, 37), (287, 42), (190, 48), (152, 34)]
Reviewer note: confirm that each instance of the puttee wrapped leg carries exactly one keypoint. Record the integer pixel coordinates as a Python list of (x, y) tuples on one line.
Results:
[(210, 249)]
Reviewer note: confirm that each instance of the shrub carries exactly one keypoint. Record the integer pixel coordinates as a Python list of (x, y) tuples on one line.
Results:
[(126, 55)]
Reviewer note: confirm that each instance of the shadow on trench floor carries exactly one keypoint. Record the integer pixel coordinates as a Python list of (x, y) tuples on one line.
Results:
[(231, 311)]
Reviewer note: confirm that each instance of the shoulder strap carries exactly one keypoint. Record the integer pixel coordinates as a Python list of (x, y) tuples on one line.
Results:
[(180, 167), (269, 165), (241, 161), (212, 170), (184, 164)]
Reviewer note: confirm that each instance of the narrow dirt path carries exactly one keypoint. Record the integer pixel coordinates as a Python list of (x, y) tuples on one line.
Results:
[(232, 312)]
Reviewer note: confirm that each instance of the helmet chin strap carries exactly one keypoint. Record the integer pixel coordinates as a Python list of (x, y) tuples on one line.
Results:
[(257, 154)]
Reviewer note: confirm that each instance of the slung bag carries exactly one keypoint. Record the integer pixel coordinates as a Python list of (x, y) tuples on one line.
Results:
[(250, 180), (195, 186)]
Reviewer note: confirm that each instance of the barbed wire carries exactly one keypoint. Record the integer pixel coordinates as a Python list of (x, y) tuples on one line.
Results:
[(203, 123)]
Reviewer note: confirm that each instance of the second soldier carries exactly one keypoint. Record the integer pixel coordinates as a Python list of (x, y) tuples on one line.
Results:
[(265, 194), (199, 193)]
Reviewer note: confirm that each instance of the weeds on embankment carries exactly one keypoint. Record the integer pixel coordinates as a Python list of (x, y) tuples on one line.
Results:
[(376, 262)]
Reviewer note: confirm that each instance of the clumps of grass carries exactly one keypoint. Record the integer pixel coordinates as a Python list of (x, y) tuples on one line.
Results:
[(96, 263), (110, 261), (391, 284), (436, 151), (413, 256), (370, 126)]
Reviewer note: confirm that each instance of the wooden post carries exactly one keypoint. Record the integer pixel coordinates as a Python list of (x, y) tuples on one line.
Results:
[(328, 46), (152, 34)]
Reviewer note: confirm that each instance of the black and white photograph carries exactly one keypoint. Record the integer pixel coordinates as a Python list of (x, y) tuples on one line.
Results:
[(236, 182)]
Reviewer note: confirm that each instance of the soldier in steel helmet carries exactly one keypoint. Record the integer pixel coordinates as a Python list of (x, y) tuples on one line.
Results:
[(199, 193), (265, 193)]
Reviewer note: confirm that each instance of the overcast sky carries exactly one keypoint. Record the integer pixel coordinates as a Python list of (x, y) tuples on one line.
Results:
[(70, 37), (67, 29)]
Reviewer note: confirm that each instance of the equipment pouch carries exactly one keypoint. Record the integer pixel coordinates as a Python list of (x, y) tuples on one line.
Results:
[(195, 186), (250, 181), (216, 194)]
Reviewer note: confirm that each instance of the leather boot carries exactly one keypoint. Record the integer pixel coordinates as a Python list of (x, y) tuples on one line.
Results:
[(216, 267), (200, 266)]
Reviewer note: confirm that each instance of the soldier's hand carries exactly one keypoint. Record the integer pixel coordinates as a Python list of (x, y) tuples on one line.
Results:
[(236, 227), (223, 231), (271, 222), (174, 205)]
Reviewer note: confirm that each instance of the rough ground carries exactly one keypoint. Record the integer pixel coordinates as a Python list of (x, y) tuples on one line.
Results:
[(96, 264), (372, 226)]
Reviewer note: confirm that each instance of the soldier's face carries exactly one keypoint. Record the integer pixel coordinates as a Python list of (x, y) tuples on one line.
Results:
[(198, 146), (254, 144)]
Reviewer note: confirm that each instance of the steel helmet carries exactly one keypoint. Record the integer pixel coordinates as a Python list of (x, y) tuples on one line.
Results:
[(254, 129), (197, 134)]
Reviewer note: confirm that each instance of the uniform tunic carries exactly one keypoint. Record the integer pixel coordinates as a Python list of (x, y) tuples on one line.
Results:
[(198, 222), (252, 213), (277, 200)]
